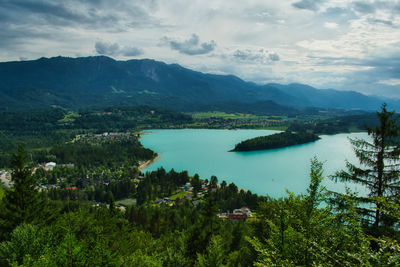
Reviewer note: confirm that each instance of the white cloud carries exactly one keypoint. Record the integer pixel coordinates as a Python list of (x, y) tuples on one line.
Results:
[(331, 25), (392, 82)]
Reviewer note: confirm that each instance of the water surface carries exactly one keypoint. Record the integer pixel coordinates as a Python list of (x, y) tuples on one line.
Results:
[(205, 152)]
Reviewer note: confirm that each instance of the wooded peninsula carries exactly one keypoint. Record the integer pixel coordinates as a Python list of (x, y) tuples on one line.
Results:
[(278, 140)]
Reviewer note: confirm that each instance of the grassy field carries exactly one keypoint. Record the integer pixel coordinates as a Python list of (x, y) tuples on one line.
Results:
[(180, 194), (218, 114), (237, 116), (70, 117), (126, 201)]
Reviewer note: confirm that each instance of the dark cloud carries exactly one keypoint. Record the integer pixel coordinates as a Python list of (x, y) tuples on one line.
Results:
[(387, 66), (370, 81), (192, 46), (274, 57), (338, 14), (26, 22), (131, 51), (381, 21), (113, 49), (260, 56), (308, 4), (54, 13), (248, 55), (46, 9), (101, 15), (103, 48), (364, 7), (372, 71), (12, 37), (391, 7), (376, 9)]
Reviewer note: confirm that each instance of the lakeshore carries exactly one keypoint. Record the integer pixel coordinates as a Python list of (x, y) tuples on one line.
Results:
[(205, 152), (145, 164)]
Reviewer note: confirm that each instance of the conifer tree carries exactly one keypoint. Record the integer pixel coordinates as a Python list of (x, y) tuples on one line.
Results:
[(21, 204), (111, 202), (379, 164)]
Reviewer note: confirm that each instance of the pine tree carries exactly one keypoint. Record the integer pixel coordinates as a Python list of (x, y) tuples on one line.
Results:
[(111, 202), (379, 164), (21, 204)]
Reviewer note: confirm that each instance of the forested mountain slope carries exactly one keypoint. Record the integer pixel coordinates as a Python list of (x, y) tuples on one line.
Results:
[(103, 81)]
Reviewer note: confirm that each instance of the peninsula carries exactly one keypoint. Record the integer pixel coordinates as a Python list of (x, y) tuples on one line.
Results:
[(278, 140)]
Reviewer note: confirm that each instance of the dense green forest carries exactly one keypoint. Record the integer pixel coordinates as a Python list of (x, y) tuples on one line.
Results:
[(46, 132), (77, 214), (336, 124), (278, 140)]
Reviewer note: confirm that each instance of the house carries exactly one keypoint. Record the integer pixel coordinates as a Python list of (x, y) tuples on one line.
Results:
[(71, 188), (222, 215), (237, 216), (5, 178), (240, 214), (188, 187), (49, 166), (189, 197), (158, 201), (164, 200), (121, 208), (68, 165), (246, 211)]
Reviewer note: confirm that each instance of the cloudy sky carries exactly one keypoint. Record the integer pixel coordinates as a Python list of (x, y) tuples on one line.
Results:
[(341, 44)]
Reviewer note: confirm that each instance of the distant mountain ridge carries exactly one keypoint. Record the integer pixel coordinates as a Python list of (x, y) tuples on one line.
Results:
[(328, 98), (101, 81)]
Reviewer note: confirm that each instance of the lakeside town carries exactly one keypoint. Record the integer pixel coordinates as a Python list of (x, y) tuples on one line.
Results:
[(185, 192)]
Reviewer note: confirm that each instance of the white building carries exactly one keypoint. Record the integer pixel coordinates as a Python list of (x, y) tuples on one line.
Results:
[(49, 166)]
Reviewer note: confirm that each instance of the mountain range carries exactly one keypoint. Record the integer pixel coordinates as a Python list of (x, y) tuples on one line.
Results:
[(84, 82)]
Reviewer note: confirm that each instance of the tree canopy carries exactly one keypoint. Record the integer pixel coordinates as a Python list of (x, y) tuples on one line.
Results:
[(379, 164)]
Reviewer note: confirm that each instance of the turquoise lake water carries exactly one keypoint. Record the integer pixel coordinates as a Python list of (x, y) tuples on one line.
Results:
[(270, 172)]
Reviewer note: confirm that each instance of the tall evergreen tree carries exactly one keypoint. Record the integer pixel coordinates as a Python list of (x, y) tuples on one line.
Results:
[(21, 204), (379, 164)]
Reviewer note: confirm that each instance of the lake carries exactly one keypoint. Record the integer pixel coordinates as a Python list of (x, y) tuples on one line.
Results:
[(267, 172)]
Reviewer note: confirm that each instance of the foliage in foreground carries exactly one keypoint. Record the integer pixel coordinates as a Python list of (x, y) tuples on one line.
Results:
[(291, 231), (378, 171)]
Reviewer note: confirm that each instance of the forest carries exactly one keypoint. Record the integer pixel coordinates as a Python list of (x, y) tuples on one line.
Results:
[(278, 140), (290, 231), (77, 214), (45, 132)]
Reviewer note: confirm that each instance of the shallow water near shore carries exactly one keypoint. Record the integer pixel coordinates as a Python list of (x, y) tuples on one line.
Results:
[(267, 172)]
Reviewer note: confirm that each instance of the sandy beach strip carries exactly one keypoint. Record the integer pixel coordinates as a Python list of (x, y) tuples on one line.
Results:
[(144, 165), (145, 133)]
